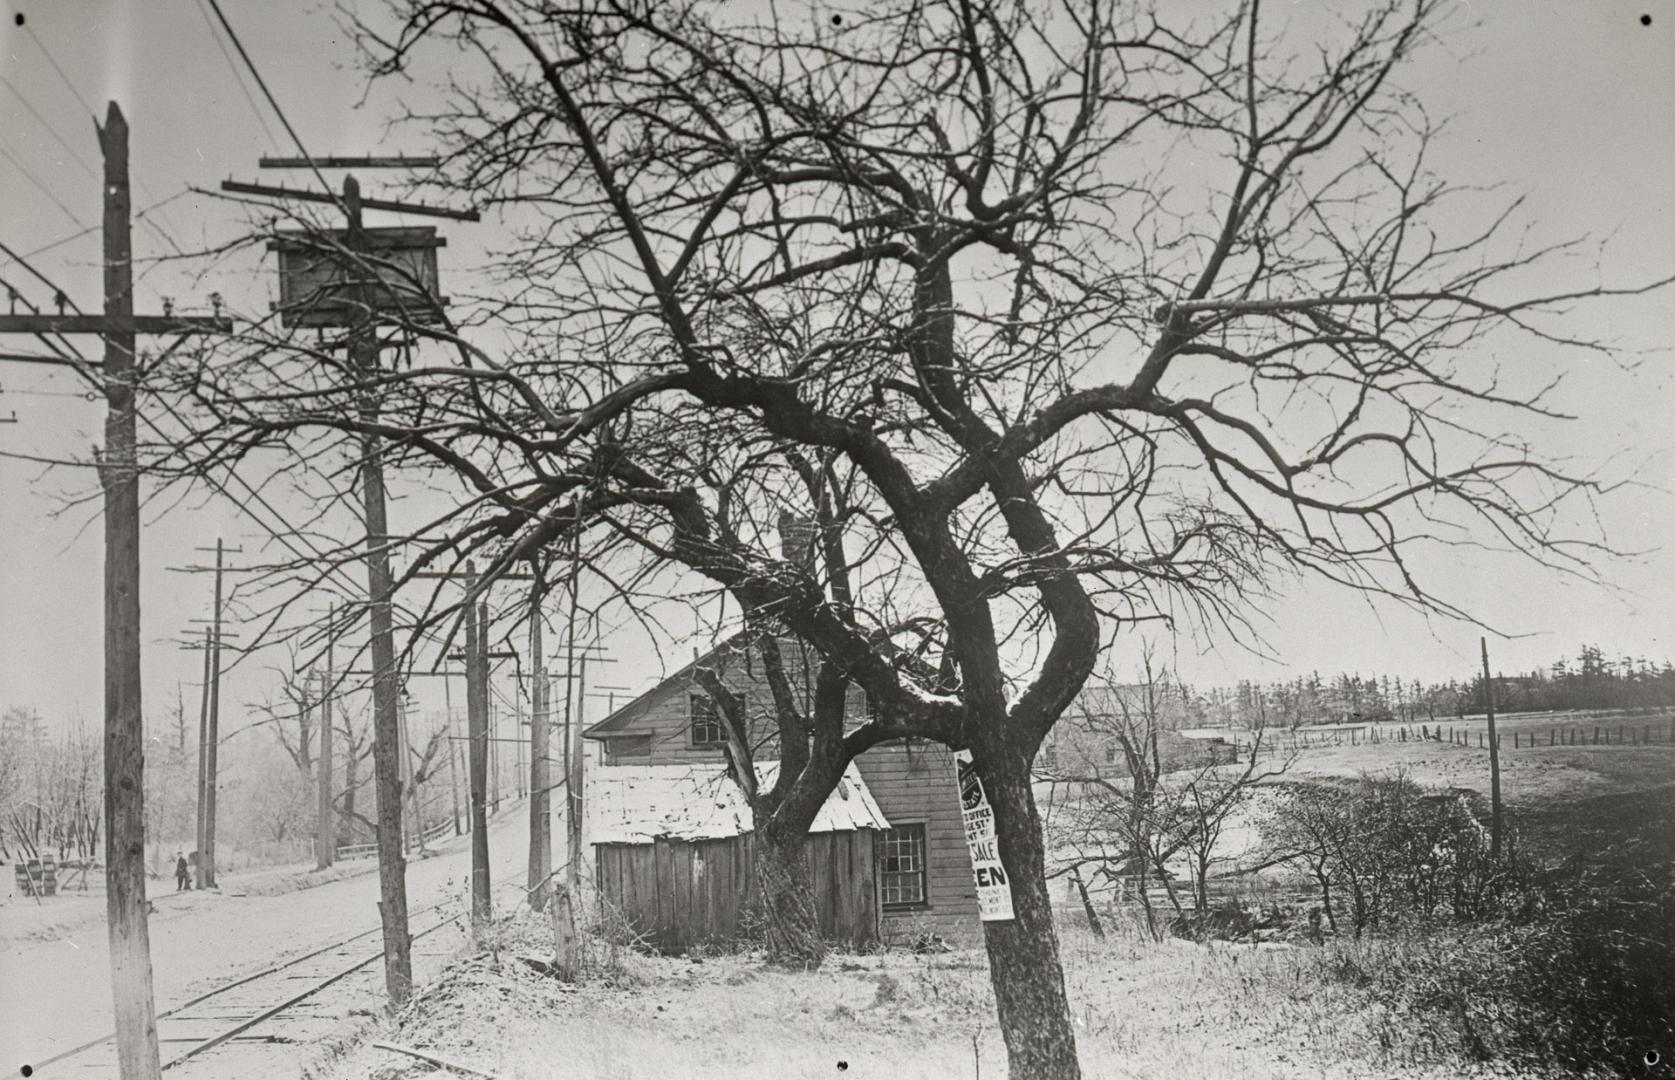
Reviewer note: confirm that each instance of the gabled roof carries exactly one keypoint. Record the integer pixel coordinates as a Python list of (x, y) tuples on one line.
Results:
[(615, 724), (635, 804)]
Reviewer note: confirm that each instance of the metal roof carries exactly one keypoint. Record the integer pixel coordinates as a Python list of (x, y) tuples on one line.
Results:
[(635, 804)]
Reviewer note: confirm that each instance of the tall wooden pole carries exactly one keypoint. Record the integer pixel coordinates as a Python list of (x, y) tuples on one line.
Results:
[(574, 782), (566, 944), (494, 722), (386, 723), (518, 774), (125, 900), (325, 843), (203, 767), (540, 806), (212, 749), (1494, 757), (418, 840), (477, 728), (453, 748)]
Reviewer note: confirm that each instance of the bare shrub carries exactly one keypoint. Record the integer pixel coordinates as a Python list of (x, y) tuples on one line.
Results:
[(1386, 851)]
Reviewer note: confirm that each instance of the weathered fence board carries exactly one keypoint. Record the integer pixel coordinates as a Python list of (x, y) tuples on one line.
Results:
[(679, 894)]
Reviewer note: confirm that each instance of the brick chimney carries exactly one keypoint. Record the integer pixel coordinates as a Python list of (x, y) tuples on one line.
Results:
[(797, 538)]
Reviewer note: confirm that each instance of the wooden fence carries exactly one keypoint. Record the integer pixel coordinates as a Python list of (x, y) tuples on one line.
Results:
[(1571, 735), (1662, 732), (679, 894), (362, 851)]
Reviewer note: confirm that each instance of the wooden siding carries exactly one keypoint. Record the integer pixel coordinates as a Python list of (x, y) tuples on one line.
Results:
[(915, 783), (665, 714), (680, 894), (912, 784)]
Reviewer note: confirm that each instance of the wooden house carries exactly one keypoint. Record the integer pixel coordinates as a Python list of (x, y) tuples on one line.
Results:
[(890, 840)]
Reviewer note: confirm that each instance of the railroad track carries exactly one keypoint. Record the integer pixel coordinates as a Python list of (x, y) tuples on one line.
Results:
[(299, 1002)]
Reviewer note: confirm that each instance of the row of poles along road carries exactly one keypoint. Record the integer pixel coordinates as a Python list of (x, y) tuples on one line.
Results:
[(356, 294)]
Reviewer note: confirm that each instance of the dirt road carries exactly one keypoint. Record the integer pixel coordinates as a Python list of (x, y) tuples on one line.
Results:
[(55, 994)]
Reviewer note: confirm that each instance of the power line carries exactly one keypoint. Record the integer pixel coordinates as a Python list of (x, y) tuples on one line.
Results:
[(285, 538), (58, 347), (41, 45), (42, 278), (139, 216), (237, 77), (257, 75), (53, 131), (68, 239), (24, 169), (59, 138)]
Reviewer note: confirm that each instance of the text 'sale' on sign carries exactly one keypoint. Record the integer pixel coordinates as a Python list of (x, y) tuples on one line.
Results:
[(994, 888)]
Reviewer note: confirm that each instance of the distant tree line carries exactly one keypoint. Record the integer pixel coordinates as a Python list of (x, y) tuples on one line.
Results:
[(1589, 680)]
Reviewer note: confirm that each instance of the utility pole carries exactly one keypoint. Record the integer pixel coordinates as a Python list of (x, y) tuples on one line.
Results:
[(494, 729), (204, 787), (418, 839), (386, 723), (566, 948), (209, 752), (125, 901), (518, 774), (1494, 757), (325, 844), (478, 740), (453, 752), (476, 713), (118, 469), (540, 807), (356, 298)]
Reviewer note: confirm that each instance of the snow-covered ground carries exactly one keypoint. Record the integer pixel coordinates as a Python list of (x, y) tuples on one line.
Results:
[(55, 979)]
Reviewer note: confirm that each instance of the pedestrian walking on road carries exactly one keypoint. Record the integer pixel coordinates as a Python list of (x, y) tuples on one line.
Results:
[(181, 880)]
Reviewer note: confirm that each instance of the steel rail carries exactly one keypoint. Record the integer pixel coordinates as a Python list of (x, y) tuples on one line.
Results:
[(235, 984), (234, 1032)]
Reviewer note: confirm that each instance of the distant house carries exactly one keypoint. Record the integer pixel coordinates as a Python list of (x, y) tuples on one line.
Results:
[(888, 846)]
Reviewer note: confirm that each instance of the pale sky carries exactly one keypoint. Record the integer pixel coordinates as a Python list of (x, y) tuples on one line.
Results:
[(1568, 102)]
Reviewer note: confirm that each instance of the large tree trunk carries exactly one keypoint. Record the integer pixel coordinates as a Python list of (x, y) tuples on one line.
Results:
[(786, 896), (1023, 951)]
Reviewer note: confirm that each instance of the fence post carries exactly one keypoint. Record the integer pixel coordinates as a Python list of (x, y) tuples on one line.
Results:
[(1596, 734), (1550, 736)]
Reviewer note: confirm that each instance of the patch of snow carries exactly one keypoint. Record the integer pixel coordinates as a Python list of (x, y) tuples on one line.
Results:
[(633, 804)]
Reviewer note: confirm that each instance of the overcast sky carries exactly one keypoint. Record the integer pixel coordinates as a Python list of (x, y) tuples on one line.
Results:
[(1567, 101)]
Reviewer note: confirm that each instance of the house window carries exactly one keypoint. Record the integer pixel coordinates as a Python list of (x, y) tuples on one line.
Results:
[(901, 867), (1110, 755), (1050, 756), (706, 726), (628, 746)]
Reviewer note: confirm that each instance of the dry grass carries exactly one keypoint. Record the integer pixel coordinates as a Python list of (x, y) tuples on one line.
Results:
[(1142, 1009), (1534, 778)]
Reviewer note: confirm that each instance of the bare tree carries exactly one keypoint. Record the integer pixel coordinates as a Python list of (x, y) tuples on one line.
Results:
[(292, 718), (1091, 319), (1128, 824)]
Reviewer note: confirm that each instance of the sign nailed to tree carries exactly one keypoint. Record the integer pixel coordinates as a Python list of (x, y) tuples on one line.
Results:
[(994, 887), (322, 283)]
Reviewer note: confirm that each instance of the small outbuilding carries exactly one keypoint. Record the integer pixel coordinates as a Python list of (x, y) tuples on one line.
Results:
[(670, 833), (673, 851)]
